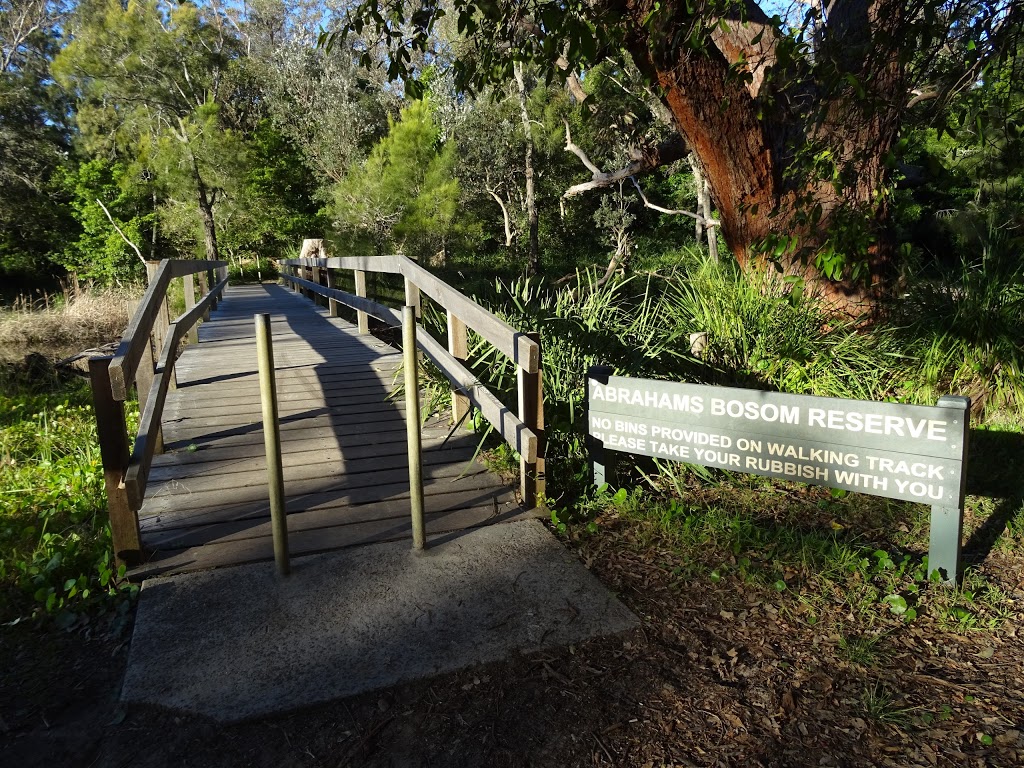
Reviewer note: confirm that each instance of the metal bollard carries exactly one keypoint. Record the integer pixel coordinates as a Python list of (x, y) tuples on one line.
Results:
[(412, 425), (272, 442)]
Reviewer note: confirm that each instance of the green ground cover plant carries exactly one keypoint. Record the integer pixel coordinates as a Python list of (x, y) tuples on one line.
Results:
[(56, 561)]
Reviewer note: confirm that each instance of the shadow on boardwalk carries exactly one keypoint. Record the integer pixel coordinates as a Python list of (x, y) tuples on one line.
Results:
[(343, 440)]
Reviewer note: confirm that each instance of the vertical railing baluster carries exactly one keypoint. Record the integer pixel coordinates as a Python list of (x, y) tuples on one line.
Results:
[(112, 435), (458, 347), (272, 443), (531, 413), (362, 319), (412, 420)]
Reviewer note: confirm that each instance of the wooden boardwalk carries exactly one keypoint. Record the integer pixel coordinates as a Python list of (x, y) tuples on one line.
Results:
[(343, 438)]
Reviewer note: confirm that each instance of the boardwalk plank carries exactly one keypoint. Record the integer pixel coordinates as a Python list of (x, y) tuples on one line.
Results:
[(307, 542)]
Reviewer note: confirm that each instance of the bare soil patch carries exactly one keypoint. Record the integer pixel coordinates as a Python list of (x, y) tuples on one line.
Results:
[(717, 676)]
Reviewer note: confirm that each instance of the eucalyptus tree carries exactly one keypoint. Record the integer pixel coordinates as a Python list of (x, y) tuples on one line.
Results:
[(152, 81), (33, 135), (797, 128)]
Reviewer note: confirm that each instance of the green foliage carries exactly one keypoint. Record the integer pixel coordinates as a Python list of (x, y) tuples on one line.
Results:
[(33, 139), (148, 79), (55, 550), (762, 334), (100, 253), (404, 197), (964, 327)]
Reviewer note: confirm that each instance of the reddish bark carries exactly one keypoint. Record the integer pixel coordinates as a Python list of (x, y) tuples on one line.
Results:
[(747, 123)]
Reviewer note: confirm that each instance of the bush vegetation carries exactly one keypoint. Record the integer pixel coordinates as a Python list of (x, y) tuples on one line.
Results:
[(55, 550), (832, 553)]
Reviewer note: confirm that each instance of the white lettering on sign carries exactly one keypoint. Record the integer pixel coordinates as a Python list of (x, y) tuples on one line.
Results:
[(818, 455), (933, 492), (625, 442), (876, 424), (787, 468), (671, 450), (716, 458), (633, 396), (862, 480), (912, 468), (738, 409), (630, 427), (680, 434)]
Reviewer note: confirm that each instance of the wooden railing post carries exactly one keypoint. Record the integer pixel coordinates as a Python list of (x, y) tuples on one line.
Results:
[(272, 442), (458, 347), (112, 433), (333, 305), (211, 277), (190, 302), (412, 297), (160, 322), (150, 352), (531, 412), (316, 278), (362, 319), (143, 386), (204, 288)]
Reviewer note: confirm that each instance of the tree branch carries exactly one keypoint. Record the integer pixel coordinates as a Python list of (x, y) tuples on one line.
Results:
[(124, 237), (673, 211), (505, 214), (668, 152)]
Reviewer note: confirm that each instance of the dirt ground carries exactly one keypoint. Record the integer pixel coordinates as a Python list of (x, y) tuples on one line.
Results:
[(712, 678)]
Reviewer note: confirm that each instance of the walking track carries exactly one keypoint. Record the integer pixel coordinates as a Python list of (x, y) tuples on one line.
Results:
[(343, 441)]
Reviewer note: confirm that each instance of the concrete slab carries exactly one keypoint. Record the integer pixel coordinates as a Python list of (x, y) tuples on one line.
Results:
[(241, 642)]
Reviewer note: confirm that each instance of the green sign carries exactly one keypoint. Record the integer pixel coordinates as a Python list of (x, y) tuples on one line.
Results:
[(909, 452)]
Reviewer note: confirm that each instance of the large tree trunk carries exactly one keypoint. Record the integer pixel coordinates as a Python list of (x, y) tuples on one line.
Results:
[(750, 133), (206, 200)]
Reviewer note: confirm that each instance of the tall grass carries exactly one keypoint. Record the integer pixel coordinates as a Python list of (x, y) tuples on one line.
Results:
[(758, 334), (762, 335), (589, 324), (55, 323), (966, 328)]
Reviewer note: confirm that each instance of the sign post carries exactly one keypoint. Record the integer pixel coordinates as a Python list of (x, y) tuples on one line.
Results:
[(947, 524), (908, 452)]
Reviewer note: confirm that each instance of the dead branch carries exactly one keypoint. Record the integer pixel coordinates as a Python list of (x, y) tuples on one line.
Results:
[(124, 237), (673, 211), (644, 161)]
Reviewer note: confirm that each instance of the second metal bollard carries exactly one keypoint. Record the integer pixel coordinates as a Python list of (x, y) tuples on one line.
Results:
[(272, 441), (412, 422)]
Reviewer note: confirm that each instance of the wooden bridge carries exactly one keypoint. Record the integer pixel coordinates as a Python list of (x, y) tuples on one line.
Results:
[(190, 491)]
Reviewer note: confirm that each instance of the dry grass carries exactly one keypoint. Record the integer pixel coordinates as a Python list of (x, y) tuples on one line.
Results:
[(57, 325)]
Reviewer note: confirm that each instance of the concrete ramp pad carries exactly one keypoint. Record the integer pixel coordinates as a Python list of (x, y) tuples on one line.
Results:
[(242, 642)]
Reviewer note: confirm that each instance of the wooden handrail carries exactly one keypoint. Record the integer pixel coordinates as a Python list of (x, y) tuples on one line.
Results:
[(137, 475), (509, 426), (523, 432), (514, 344), (129, 352), (126, 472)]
